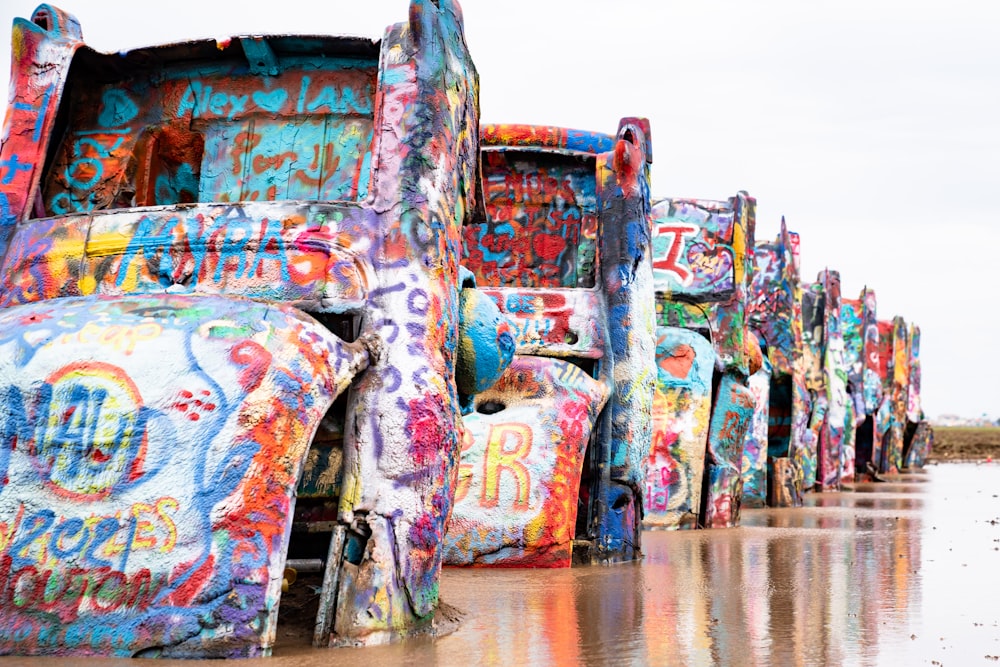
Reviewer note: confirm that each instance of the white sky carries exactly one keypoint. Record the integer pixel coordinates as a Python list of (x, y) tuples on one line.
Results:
[(872, 125)]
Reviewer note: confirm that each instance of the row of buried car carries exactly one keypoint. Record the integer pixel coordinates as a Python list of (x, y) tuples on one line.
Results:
[(283, 297)]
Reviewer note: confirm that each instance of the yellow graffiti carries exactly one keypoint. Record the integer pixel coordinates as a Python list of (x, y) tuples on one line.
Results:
[(499, 458)]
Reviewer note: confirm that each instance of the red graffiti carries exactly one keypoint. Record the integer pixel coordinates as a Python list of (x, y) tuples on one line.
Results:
[(676, 233)]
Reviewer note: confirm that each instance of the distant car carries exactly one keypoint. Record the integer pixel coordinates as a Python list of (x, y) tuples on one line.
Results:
[(776, 313), (919, 433)]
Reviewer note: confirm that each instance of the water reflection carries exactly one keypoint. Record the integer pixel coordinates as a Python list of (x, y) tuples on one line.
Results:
[(901, 573)]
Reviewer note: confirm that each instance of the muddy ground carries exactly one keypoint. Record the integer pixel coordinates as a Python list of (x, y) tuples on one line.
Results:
[(965, 443)]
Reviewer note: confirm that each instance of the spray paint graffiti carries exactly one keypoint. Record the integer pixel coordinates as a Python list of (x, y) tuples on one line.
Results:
[(377, 150), (833, 384), (864, 383), (775, 310), (702, 255), (564, 251), (919, 434), (898, 377), (755, 445), (518, 483), (148, 499), (682, 406)]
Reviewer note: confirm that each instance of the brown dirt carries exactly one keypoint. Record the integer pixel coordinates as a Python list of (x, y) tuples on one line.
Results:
[(297, 611), (965, 443)]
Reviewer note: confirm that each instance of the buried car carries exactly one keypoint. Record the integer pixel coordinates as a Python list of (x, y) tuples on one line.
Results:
[(776, 314), (204, 245), (703, 405), (552, 467)]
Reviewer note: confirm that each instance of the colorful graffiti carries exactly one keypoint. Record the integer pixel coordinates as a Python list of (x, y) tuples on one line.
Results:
[(852, 313), (708, 262), (564, 252), (775, 311), (147, 502), (731, 415), (898, 377), (334, 184), (914, 410), (682, 407), (702, 261), (755, 444), (832, 436), (519, 479), (169, 216)]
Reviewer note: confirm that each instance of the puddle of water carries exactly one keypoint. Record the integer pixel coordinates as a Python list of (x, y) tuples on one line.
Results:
[(903, 573)]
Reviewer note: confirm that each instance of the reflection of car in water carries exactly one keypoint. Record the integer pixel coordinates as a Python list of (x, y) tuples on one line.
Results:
[(702, 405), (170, 215), (552, 466)]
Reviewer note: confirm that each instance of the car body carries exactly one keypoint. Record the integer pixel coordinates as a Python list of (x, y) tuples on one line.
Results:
[(776, 315), (550, 473), (205, 244), (703, 406)]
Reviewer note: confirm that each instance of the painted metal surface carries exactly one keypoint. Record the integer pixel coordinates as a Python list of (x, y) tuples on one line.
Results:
[(852, 313), (682, 407), (516, 499), (914, 408), (872, 362), (703, 254), (755, 444), (564, 250), (775, 311), (869, 446), (898, 373), (919, 433), (834, 377), (813, 345), (151, 450), (921, 445), (884, 414), (485, 345), (702, 263), (253, 167), (731, 415), (803, 436)]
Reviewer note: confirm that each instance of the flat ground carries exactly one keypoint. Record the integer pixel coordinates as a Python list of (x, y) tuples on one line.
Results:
[(965, 443)]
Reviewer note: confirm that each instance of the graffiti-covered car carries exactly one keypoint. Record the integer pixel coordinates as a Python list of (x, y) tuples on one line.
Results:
[(701, 267), (919, 438), (204, 245), (859, 321), (896, 357), (552, 470), (775, 312)]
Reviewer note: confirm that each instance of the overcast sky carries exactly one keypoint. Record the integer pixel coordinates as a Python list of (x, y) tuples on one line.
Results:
[(873, 126)]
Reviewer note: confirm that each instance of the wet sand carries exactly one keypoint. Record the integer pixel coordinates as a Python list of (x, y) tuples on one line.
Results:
[(900, 573)]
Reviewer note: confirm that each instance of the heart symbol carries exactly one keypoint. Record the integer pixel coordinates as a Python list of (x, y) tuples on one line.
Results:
[(272, 101), (679, 361)]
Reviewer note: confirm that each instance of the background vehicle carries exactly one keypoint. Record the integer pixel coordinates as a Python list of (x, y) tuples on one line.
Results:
[(776, 313), (702, 269), (552, 474)]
